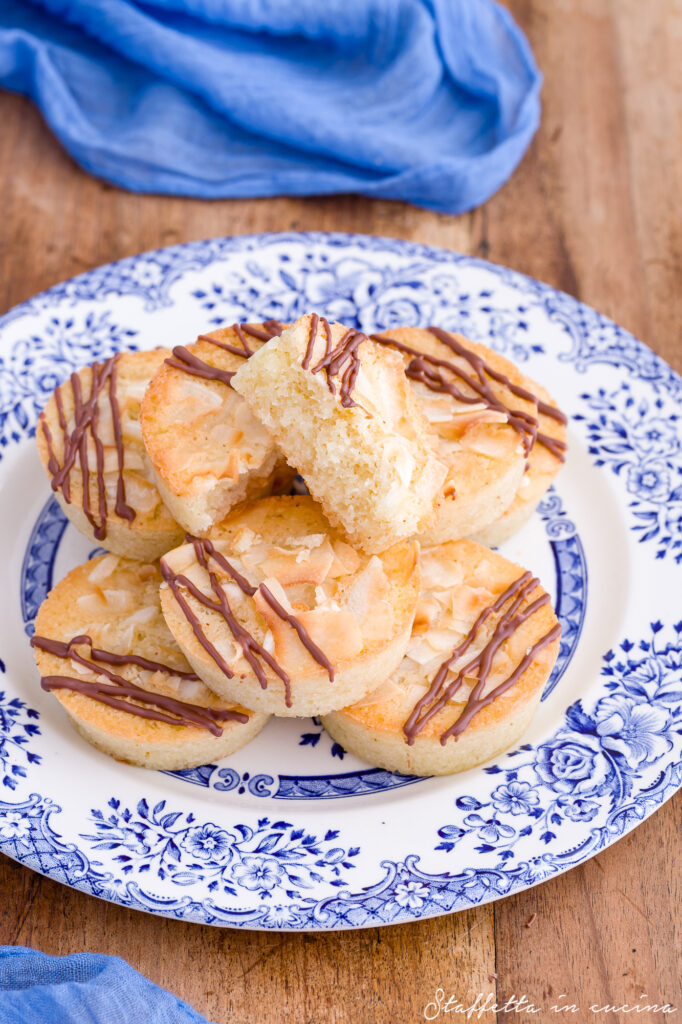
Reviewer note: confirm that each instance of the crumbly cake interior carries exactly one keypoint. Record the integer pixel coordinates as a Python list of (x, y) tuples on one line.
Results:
[(373, 465)]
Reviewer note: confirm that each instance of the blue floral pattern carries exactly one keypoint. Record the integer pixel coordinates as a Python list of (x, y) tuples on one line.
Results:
[(592, 764), (38, 362), (18, 726), (640, 440), (610, 758), (274, 858)]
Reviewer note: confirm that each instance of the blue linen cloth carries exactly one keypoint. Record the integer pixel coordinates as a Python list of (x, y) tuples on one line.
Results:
[(431, 101), (40, 989)]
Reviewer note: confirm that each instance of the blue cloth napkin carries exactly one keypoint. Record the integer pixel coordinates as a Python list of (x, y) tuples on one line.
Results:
[(432, 101), (84, 987)]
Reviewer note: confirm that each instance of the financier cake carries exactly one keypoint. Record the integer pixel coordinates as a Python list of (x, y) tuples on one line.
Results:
[(90, 445), (343, 413), (544, 462), (208, 450), (484, 641), (485, 418), (274, 609), (105, 652)]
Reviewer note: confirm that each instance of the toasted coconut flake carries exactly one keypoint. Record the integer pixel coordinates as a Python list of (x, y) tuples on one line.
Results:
[(299, 566), (118, 600), (476, 416), (310, 541), (179, 558), (134, 390), (385, 692), (335, 632), (192, 690), (244, 540), (133, 461), (228, 649), (369, 587), (438, 572), (202, 397), (488, 444), (367, 600), (346, 560), (82, 670), (125, 637), (269, 642), (439, 410), (325, 599), (421, 652), (468, 601), (279, 594), (92, 603), (104, 568), (141, 615), (442, 640), (132, 431), (142, 495)]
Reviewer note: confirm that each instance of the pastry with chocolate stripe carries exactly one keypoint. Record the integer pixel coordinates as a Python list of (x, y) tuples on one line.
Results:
[(104, 650), (486, 419), (483, 645), (544, 462), (344, 415), (90, 444), (276, 610), (207, 449)]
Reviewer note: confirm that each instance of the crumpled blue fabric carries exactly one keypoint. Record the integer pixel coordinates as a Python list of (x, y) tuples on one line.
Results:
[(84, 988), (431, 101)]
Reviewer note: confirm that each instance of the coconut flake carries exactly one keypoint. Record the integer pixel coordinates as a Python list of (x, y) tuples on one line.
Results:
[(385, 692), (105, 567), (439, 572), (142, 615), (92, 604), (118, 600)]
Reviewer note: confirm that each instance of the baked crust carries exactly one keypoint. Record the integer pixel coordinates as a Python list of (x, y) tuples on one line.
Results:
[(115, 602), (543, 466), (357, 609), (460, 580), (207, 450), (152, 531), (484, 453)]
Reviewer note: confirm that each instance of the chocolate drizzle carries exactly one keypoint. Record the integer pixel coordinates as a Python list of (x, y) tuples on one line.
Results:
[(254, 653), (186, 361), (340, 361), (183, 359), (75, 445), (438, 694), (120, 691), (428, 370)]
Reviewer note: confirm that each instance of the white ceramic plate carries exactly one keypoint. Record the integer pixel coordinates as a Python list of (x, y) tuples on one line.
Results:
[(291, 833)]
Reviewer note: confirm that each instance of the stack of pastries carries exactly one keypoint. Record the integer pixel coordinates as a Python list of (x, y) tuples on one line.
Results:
[(374, 600)]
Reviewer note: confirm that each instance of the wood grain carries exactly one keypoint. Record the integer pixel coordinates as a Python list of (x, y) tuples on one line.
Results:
[(593, 209)]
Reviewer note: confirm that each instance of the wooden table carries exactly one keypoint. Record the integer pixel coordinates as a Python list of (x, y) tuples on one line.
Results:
[(594, 210)]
